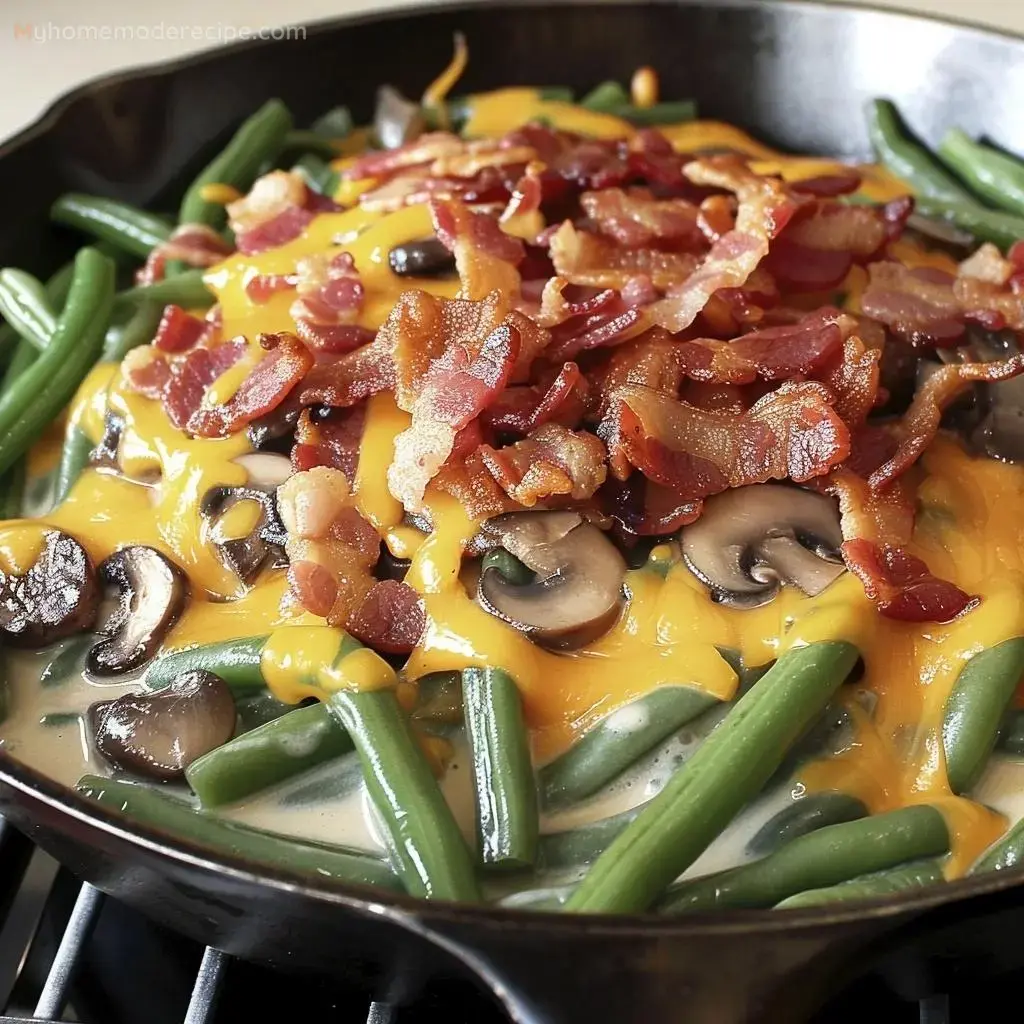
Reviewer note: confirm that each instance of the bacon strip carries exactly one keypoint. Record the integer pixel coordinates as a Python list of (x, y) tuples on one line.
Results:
[(524, 408), (485, 256), (635, 218)]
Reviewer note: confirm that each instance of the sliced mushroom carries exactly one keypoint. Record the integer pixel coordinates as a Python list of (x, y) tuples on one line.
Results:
[(941, 232), (275, 429), (148, 593), (266, 470), (429, 258), (751, 540), (57, 597), (396, 120), (158, 735), (577, 594), (105, 453)]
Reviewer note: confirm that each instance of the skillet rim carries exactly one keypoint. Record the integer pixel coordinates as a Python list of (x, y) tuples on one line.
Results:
[(408, 910)]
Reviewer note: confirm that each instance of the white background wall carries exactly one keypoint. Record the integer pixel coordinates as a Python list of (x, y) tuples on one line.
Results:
[(34, 72)]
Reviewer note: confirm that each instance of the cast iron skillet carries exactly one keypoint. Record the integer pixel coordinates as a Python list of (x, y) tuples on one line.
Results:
[(797, 75)]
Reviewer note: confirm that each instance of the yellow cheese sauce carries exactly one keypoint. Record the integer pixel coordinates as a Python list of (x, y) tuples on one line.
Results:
[(969, 530)]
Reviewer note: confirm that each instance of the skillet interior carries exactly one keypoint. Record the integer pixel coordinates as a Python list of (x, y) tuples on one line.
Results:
[(794, 74)]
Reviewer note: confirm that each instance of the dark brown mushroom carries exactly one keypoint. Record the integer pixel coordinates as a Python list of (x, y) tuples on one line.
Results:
[(396, 120), (57, 597), (428, 258), (749, 541), (158, 735), (105, 454), (275, 430), (941, 233), (577, 594), (148, 593)]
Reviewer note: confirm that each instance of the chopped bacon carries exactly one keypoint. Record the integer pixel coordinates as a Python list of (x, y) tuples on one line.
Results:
[(195, 245), (331, 440), (988, 264), (827, 186), (764, 210), (634, 218), (524, 408), (528, 192), (178, 330), (262, 391), (278, 208), (280, 229), (642, 508), (651, 360), (148, 373), (792, 432), (423, 150), (470, 483), (485, 256), (346, 380), (390, 618), (603, 319), (334, 338), (553, 460), (854, 380), (328, 288), (262, 287), (410, 188), (588, 259), (921, 421)]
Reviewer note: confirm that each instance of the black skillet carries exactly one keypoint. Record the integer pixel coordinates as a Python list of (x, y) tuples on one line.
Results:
[(797, 75)]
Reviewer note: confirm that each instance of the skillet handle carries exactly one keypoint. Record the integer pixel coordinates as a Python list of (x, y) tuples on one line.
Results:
[(549, 969)]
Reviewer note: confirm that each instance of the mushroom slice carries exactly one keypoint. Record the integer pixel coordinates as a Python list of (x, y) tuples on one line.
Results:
[(149, 592), (158, 735), (57, 597), (751, 540), (396, 120), (246, 543), (577, 594), (266, 470), (428, 258)]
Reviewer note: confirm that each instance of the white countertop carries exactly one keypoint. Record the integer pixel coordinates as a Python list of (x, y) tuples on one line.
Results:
[(48, 46)]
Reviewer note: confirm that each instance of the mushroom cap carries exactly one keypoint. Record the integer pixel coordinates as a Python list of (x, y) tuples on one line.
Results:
[(159, 734), (751, 540), (57, 597), (150, 593), (396, 120), (577, 594)]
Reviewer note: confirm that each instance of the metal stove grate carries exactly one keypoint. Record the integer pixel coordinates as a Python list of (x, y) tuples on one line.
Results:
[(50, 924)]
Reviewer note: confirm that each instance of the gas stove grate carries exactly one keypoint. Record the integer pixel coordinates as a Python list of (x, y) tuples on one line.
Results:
[(50, 923)]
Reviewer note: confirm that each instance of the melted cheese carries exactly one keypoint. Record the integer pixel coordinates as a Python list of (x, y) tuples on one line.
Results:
[(493, 114)]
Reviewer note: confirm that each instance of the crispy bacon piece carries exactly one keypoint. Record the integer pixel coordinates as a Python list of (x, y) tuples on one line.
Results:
[(651, 360), (261, 288), (195, 245), (764, 210), (485, 256), (329, 301), (423, 150), (390, 618), (278, 208), (266, 387), (147, 371), (329, 440), (642, 508), (524, 408), (553, 460), (601, 320), (920, 423), (470, 482), (411, 187), (178, 330), (988, 264), (789, 433), (634, 218), (346, 380), (590, 260)]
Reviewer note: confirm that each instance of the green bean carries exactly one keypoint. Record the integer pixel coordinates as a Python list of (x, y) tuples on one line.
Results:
[(307, 141), (335, 124), (178, 818), (332, 781), (907, 158), (259, 138), (185, 289), (68, 662), (869, 887), (237, 662), (606, 97), (74, 457), (43, 390), (139, 330), (827, 857), (1002, 229), (507, 565), (803, 816), (12, 491), (439, 697), (24, 356), (975, 708), (618, 741), (1007, 853), (257, 709), (996, 177), (537, 899), (561, 93), (669, 112), (269, 754), (130, 229), (1011, 733), (432, 856), (731, 766), (319, 174), (503, 782), (584, 844), (26, 307)]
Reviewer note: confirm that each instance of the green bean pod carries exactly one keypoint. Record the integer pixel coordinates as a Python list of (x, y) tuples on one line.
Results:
[(823, 858), (975, 708), (803, 816), (68, 662), (25, 354), (432, 856), (336, 123), (304, 140), (138, 330), (1006, 853), (181, 820), (256, 709), (907, 158), (618, 741), (503, 781), (1002, 229), (668, 112), (132, 230), (870, 887), (996, 177), (605, 97), (267, 755), (730, 768), (46, 387), (185, 289), (74, 457), (12, 491), (585, 843), (1011, 733), (259, 138), (319, 175), (25, 305), (237, 662)]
